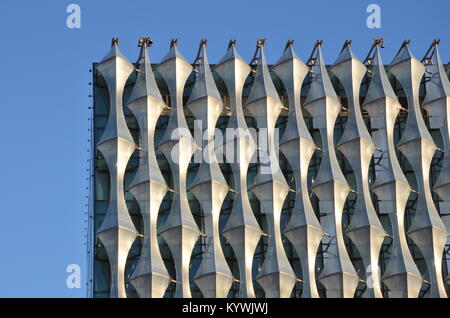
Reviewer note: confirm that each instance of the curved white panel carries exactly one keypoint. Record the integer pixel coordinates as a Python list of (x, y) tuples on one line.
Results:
[(276, 275), (401, 275), (303, 229), (242, 229), (117, 231), (437, 103), (180, 231), (338, 275), (365, 229), (427, 230), (150, 277), (213, 277)]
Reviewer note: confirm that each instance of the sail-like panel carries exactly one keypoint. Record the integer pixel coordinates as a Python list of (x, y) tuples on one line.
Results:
[(338, 275), (241, 230), (150, 277), (416, 144), (180, 230), (391, 187), (365, 229), (209, 186), (437, 103), (303, 229), (117, 232), (276, 275)]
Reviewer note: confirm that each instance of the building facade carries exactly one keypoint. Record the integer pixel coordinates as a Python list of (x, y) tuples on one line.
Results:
[(299, 179)]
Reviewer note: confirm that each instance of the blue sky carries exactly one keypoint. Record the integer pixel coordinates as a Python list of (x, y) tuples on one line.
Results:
[(44, 97)]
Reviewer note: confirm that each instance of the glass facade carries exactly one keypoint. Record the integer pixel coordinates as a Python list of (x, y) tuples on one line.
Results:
[(99, 267)]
